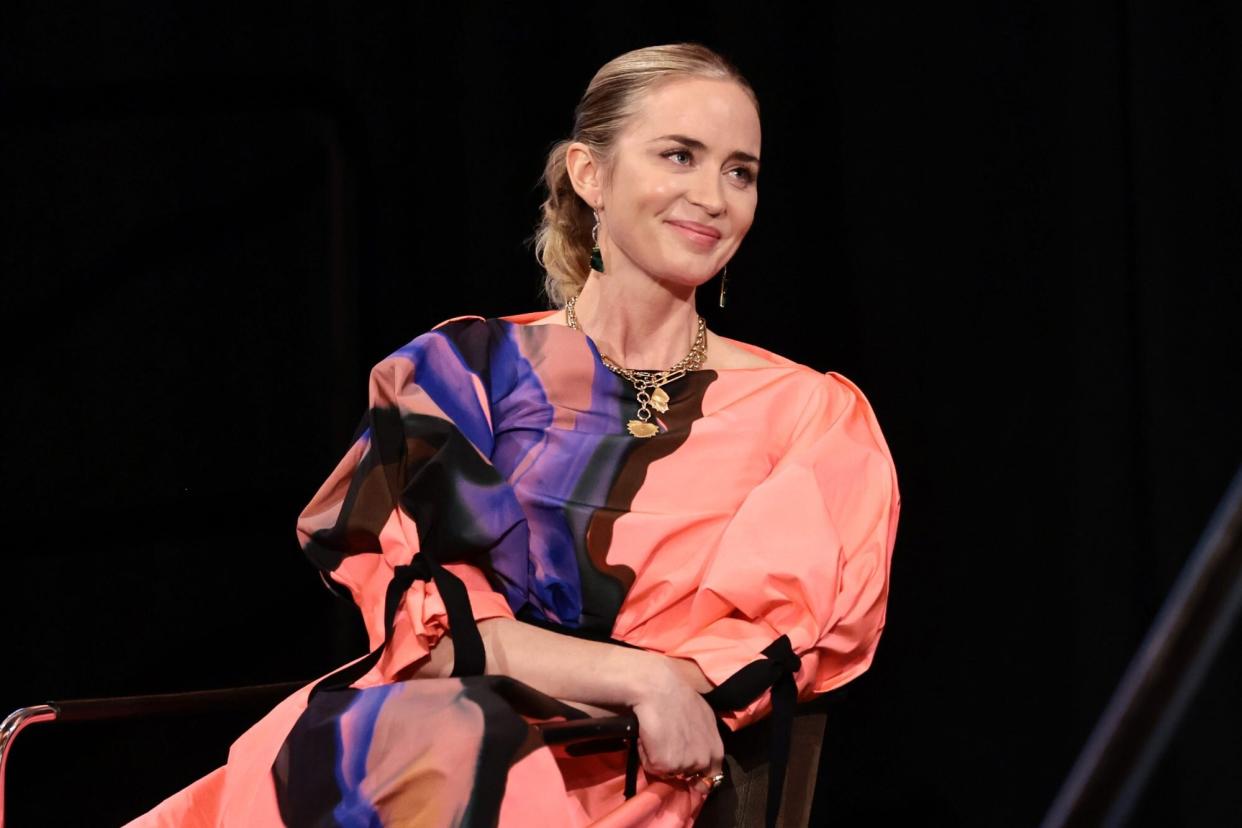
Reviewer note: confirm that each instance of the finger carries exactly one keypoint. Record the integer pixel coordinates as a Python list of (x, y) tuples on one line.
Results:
[(653, 765), (644, 759), (702, 759), (685, 767), (717, 756)]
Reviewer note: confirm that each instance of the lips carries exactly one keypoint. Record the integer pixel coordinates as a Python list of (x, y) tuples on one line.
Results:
[(696, 231)]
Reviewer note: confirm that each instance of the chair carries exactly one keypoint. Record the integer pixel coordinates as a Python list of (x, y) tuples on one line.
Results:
[(739, 801)]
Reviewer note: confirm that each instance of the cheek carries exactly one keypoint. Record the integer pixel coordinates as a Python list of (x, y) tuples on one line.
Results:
[(646, 194), (743, 210), (658, 194)]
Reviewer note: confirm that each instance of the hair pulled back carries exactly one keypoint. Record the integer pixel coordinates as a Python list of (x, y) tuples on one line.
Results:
[(614, 95)]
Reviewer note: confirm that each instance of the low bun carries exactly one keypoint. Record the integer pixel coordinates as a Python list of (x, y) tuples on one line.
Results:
[(563, 238)]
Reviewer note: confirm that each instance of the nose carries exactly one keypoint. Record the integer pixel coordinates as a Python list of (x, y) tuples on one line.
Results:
[(707, 191)]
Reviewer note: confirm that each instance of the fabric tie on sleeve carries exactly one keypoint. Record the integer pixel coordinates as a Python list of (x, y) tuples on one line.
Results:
[(774, 671), (469, 658)]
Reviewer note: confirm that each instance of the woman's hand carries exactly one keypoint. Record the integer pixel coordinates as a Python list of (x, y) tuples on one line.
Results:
[(677, 734)]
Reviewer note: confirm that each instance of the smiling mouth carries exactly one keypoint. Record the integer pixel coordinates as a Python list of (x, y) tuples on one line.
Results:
[(703, 239)]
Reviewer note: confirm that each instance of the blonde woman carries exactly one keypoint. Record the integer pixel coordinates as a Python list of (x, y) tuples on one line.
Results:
[(601, 507)]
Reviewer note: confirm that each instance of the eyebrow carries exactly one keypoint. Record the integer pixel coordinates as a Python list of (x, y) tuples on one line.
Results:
[(699, 145)]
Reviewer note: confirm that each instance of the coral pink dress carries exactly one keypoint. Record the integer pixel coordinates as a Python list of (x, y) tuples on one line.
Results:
[(492, 476)]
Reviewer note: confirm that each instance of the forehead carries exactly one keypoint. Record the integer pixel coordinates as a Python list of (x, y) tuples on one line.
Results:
[(717, 112)]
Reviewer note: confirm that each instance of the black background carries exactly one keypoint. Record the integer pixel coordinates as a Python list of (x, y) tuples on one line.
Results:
[(1015, 225)]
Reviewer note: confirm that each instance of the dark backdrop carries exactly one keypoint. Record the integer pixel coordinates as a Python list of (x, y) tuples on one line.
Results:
[(1014, 224)]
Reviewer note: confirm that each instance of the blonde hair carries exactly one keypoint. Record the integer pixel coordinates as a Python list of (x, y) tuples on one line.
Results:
[(563, 236)]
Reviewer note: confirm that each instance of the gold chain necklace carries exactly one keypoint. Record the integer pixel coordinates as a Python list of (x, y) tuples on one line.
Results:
[(648, 384)]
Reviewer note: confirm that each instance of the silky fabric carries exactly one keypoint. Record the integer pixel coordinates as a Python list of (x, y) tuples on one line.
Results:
[(494, 452)]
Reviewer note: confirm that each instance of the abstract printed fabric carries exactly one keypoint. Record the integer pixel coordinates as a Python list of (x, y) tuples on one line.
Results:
[(492, 476)]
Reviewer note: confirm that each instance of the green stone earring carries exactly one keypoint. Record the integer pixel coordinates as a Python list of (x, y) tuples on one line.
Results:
[(597, 259)]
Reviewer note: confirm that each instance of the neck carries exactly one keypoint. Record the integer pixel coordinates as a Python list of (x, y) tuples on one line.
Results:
[(637, 321)]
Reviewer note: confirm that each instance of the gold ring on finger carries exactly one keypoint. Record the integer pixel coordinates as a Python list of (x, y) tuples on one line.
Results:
[(714, 781)]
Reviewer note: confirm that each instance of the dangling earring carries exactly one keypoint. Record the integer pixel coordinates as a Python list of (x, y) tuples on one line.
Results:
[(597, 259), (724, 279)]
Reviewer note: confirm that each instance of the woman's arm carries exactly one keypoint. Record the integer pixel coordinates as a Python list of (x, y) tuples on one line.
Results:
[(677, 730), (576, 669)]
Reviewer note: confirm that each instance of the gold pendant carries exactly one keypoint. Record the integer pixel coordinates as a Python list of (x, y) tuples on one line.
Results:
[(639, 428), (659, 400)]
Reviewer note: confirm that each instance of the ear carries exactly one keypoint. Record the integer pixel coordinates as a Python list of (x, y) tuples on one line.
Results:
[(585, 173)]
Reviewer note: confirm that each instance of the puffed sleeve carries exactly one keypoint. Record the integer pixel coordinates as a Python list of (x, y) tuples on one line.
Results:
[(798, 583), (412, 518)]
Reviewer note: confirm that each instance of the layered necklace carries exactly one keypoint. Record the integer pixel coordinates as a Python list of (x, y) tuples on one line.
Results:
[(649, 384)]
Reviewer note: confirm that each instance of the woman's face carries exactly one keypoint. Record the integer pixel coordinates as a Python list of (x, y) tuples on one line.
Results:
[(690, 156)]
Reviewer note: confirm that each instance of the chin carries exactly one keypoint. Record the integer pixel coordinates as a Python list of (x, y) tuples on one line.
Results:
[(690, 280), (693, 269)]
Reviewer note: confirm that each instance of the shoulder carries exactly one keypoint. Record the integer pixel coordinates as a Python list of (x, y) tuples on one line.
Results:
[(469, 341), (821, 389), (742, 354), (849, 414), (732, 353), (832, 396), (456, 330), (455, 325), (842, 391), (453, 346), (470, 349), (830, 405)]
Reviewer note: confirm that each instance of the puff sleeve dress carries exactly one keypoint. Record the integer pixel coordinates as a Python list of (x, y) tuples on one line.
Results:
[(492, 476)]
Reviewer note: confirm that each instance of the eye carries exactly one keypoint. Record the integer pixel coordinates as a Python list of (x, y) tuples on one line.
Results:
[(747, 176)]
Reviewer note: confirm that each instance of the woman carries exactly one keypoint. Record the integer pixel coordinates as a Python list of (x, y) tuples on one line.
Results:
[(710, 537)]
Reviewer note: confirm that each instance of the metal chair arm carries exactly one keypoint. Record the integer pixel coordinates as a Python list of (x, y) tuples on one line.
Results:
[(130, 707)]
